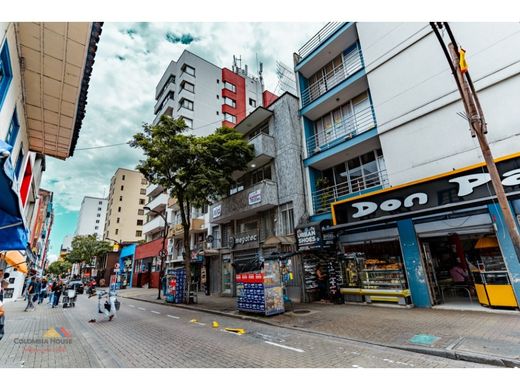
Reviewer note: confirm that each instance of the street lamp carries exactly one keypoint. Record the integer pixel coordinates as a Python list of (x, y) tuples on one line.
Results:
[(163, 251)]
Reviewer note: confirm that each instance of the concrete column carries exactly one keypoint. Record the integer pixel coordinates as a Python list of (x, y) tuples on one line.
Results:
[(413, 264)]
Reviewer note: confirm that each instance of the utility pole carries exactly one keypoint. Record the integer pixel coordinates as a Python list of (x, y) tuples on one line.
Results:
[(478, 127)]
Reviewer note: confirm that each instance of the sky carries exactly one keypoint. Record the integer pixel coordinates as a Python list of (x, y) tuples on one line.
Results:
[(130, 60)]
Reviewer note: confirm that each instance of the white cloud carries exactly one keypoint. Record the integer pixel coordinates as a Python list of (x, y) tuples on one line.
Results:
[(130, 60)]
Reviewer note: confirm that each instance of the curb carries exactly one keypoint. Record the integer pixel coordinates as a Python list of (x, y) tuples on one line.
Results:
[(444, 353)]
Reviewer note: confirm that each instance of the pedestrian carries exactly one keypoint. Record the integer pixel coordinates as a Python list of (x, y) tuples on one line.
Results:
[(50, 291), (58, 289), (2, 276), (43, 291), (3, 285), (31, 288), (322, 283)]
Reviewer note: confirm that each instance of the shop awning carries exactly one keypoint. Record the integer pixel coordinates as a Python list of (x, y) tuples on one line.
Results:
[(13, 234), (16, 260)]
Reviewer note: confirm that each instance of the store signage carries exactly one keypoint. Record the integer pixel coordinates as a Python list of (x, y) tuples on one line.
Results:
[(243, 240), (309, 237), (217, 211), (255, 197), (446, 192)]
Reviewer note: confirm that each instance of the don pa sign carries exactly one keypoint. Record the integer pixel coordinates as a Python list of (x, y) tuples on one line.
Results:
[(445, 192)]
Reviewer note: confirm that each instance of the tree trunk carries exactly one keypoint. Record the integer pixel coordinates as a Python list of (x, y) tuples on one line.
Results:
[(186, 224)]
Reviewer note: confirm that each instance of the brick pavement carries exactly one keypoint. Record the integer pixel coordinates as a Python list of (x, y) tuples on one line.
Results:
[(493, 334), (145, 334)]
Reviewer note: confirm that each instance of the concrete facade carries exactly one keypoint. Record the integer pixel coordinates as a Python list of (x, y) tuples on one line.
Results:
[(92, 216), (127, 198)]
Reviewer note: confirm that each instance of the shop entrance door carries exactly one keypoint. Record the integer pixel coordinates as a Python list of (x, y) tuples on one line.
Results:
[(435, 293)]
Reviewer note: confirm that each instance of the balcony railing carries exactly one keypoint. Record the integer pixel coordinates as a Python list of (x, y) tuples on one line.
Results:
[(317, 39), (322, 198), (347, 128), (352, 62)]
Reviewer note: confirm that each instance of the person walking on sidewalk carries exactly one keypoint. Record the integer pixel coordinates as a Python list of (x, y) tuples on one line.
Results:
[(322, 283), (31, 289), (3, 285), (58, 289), (43, 291), (50, 291)]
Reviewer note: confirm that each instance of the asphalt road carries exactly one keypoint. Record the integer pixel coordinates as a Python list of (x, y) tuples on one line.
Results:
[(149, 335)]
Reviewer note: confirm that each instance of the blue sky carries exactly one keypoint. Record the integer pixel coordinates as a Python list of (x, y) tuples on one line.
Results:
[(130, 60)]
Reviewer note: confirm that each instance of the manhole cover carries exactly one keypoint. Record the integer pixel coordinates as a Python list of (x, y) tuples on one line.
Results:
[(301, 311)]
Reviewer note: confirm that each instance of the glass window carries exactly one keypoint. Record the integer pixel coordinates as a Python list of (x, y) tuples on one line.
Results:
[(97, 220), (121, 198), (138, 233), (12, 133), (119, 209), (141, 201), (230, 102), (230, 118), (188, 86), (143, 191), (188, 104), (188, 69), (139, 222), (252, 102), (6, 73), (123, 178), (122, 188), (287, 218), (188, 122), (117, 232), (230, 86)]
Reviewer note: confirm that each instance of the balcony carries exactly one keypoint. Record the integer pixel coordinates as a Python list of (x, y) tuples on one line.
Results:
[(153, 190), (168, 90), (320, 37), (264, 149), (197, 226), (261, 196), (352, 63), (322, 198), (347, 128), (166, 109), (158, 204), (153, 226)]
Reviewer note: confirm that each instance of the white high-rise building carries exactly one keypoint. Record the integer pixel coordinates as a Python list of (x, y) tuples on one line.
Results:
[(92, 216)]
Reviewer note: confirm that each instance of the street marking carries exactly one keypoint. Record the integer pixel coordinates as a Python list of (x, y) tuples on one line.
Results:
[(228, 332), (131, 305), (155, 312), (142, 308), (200, 323), (356, 366), (284, 346), (172, 316)]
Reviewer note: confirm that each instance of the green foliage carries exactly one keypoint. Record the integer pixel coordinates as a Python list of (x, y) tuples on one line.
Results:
[(59, 267), (84, 248)]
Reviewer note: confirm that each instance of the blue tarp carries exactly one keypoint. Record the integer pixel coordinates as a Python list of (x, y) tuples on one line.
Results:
[(13, 234)]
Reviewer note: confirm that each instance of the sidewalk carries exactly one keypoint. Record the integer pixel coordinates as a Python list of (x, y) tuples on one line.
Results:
[(483, 337)]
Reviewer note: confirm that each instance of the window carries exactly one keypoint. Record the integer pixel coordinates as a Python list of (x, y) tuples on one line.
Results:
[(230, 102), (230, 118), (119, 209), (123, 177), (188, 86), (144, 182), (188, 69), (287, 218), (121, 198), (143, 191), (141, 201), (218, 97), (117, 220), (100, 202), (218, 113), (262, 128), (117, 232), (188, 104), (6, 73), (19, 162), (138, 233), (98, 215), (140, 212), (12, 133), (139, 222), (252, 102), (230, 86), (99, 209), (188, 122), (122, 188), (218, 81), (96, 227)]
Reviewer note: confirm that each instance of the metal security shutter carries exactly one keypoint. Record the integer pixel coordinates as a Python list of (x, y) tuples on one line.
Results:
[(472, 224)]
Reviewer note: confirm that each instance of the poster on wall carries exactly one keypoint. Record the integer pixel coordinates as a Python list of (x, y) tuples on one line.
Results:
[(255, 197)]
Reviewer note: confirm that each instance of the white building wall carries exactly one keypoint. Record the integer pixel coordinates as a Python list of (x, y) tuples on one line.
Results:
[(90, 212), (416, 100)]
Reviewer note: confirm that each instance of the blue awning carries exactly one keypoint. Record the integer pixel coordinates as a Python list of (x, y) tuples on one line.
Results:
[(13, 234)]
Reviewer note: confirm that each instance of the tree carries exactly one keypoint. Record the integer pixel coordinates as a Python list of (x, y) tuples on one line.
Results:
[(59, 267), (85, 248), (195, 170)]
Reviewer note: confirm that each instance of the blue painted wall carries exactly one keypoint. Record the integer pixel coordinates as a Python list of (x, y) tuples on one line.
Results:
[(506, 247), (413, 264)]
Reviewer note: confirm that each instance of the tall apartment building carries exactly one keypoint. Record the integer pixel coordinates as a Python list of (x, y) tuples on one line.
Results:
[(45, 70), (125, 214), (259, 214), (42, 228), (384, 145), (92, 216), (207, 96)]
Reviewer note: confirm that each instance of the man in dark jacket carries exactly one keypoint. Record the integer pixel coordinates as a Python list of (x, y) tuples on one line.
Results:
[(31, 289)]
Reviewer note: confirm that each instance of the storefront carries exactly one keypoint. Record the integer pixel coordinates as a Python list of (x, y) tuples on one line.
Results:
[(124, 270), (148, 263), (318, 251), (440, 240)]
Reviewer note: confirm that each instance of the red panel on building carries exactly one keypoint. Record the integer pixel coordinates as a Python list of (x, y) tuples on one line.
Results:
[(26, 183), (239, 96), (268, 98), (149, 249)]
